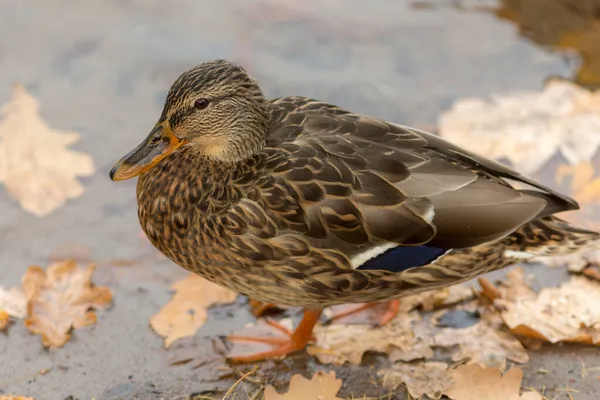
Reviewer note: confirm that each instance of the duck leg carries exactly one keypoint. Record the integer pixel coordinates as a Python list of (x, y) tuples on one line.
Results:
[(393, 307), (296, 340)]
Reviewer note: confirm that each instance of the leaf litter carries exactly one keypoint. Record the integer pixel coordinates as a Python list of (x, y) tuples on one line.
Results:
[(187, 310), (35, 165), (60, 299)]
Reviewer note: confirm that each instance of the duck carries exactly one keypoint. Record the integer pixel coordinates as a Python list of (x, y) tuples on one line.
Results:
[(298, 202)]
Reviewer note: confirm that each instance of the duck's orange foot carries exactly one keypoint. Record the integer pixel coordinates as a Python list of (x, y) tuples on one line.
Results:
[(392, 308), (289, 343)]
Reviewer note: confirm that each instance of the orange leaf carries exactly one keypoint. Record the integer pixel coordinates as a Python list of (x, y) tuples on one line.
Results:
[(60, 299), (9, 397), (35, 165), (186, 312), (322, 386)]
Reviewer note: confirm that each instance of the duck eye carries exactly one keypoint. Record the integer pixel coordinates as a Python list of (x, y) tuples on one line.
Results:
[(201, 104)]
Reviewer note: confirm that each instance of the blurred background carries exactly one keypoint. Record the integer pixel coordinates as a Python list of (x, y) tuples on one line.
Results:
[(102, 69)]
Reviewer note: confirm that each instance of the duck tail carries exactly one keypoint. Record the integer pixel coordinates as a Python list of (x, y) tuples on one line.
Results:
[(550, 236)]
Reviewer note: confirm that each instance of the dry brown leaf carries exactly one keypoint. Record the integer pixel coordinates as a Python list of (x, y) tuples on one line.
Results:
[(62, 298), (340, 343), (35, 164), (421, 378), (186, 312), (322, 386), (473, 382), (568, 313), (528, 128), (484, 343)]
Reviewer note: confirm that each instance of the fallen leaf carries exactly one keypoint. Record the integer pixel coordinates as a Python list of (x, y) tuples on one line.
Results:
[(4, 318), (60, 299), (35, 165), (322, 386), (8, 397), (473, 382), (421, 378), (567, 313), (186, 312), (527, 128), (484, 343), (13, 302), (340, 343)]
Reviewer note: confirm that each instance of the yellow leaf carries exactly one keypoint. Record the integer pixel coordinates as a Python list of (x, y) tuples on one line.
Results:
[(35, 165), (472, 382), (186, 312), (60, 299), (322, 386)]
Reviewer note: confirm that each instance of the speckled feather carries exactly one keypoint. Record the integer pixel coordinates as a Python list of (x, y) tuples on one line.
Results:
[(284, 224)]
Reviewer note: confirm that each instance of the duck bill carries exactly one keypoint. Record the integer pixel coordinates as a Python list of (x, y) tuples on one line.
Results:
[(160, 143)]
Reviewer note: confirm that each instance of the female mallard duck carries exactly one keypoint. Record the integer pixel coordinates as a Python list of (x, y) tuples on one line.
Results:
[(299, 202)]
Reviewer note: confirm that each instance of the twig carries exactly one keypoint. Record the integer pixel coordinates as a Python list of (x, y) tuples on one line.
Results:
[(239, 381)]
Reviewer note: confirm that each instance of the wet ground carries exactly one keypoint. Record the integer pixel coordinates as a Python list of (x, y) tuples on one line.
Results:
[(103, 68)]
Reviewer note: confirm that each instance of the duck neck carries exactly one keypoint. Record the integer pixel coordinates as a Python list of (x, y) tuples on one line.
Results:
[(187, 184)]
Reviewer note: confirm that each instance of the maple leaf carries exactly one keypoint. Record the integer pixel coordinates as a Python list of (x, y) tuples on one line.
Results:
[(422, 378), (35, 165), (60, 299), (341, 343), (322, 386), (186, 312), (473, 382), (527, 128)]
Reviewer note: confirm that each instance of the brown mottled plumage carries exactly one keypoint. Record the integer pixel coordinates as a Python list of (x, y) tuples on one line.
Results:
[(280, 199)]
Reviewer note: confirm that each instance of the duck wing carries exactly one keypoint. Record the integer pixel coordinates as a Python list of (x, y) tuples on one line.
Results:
[(366, 181)]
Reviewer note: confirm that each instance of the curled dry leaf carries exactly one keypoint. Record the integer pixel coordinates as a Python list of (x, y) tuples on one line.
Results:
[(421, 378), (35, 165), (341, 343), (473, 382), (528, 128), (186, 312), (322, 386), (568, 313), (60, 299)]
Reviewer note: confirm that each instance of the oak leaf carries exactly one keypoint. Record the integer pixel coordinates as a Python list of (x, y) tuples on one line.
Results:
[(186, 312), (35, 165), (322, 386), (421, 378), (473, 382), (60, 299)]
